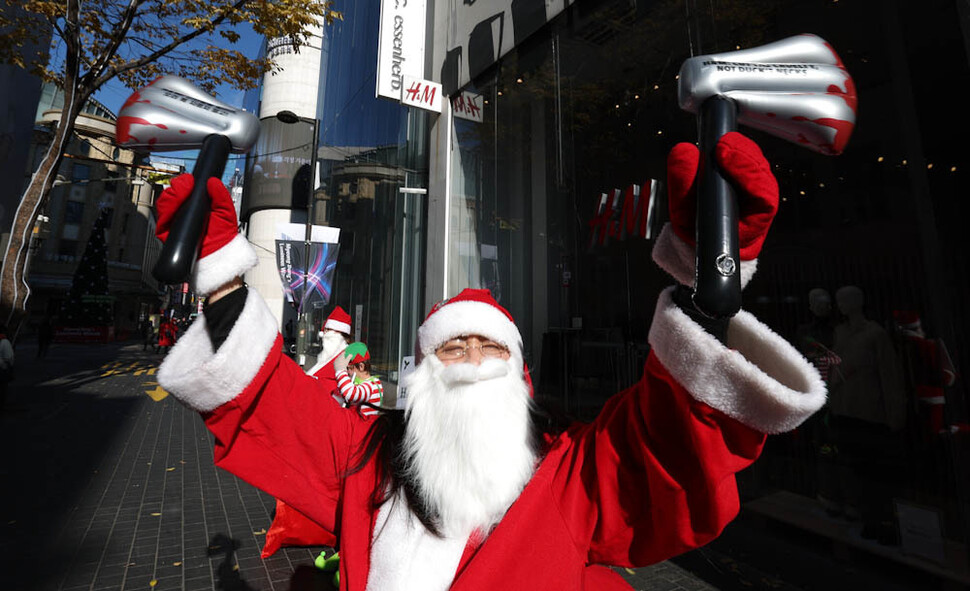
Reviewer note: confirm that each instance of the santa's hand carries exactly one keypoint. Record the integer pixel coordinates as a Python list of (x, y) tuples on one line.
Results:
[(744, 165), (224, 253), (341, 361)]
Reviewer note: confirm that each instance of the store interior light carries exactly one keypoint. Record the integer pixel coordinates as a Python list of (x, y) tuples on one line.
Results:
[(905, 162), (660, 132), (518, 80), (636, 97), (929, 166), (880, 159), (656, 87), (953, 169)]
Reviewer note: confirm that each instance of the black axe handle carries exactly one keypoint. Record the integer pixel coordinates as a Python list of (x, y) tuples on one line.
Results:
[(185, 234), (717, 280)]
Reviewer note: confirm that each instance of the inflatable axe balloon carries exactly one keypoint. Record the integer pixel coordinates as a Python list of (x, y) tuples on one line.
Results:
[(796, 89), (172, 114)]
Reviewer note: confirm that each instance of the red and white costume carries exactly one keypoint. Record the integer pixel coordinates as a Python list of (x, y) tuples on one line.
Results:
[(651, 477), (370, 391)]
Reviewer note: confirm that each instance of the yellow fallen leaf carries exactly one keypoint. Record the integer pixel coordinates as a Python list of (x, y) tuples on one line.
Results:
[(179, 563), (631, 571), (155, 514), (260, 532), (235, 567), (152, 583), (169, 469)]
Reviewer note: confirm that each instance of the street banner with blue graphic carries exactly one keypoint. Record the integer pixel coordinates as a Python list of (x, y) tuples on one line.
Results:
[(306, 284)]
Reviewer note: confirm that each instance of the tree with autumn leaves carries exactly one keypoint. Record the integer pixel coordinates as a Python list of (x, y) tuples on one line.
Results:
[(134, 41)]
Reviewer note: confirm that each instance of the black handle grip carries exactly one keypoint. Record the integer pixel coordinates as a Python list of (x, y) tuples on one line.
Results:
[(717, 280), (185, 234)]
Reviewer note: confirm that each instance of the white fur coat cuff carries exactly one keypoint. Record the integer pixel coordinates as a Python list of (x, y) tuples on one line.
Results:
[(204, 379), (677, 258), (761, 380), (222, 266)]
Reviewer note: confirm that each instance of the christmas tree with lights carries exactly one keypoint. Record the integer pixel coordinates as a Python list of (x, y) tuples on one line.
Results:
[(88, 302)]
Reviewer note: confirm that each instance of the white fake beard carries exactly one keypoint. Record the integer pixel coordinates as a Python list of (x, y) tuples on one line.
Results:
[(467, 442), (333, 343)]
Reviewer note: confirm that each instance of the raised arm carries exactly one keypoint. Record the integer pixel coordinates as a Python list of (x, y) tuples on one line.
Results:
[(654, 474), (272, 425)]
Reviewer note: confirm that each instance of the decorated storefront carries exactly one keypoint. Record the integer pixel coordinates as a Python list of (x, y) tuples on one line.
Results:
[(547, 184)]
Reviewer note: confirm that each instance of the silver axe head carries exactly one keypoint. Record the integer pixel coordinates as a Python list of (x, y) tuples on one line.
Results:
[(796, 89), (173, 114)]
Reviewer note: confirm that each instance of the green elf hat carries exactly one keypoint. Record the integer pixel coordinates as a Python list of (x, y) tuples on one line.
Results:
[(357, 352)]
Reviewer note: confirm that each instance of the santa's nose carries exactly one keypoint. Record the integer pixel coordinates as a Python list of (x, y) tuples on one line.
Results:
[(474, 355)]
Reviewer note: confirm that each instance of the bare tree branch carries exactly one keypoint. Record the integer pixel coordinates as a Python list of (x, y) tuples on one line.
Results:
[(118, 35), (132, 65)]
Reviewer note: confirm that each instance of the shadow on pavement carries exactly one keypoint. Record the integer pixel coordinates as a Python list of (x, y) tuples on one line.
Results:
[(54, 434)]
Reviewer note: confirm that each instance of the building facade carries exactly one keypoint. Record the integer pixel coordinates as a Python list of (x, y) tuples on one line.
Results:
[(863, 269), (95, 178)]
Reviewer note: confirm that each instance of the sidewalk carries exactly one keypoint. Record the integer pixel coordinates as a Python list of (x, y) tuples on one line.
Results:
[(105, 487)]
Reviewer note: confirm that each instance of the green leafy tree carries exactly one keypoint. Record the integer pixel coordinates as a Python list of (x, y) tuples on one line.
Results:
[(134, 41)]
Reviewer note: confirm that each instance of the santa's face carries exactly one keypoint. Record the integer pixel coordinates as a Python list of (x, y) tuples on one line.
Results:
[(468, 437)]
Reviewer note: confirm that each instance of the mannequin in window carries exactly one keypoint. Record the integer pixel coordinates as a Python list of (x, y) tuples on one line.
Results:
[(866, 414), (816, 337)]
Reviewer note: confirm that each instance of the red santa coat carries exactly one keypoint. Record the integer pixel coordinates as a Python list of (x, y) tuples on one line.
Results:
[(650, 478)]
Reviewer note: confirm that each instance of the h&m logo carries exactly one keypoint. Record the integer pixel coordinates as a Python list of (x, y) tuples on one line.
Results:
[(621, 214)]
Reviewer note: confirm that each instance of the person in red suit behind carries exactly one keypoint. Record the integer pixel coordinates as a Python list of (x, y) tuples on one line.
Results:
[(464, 489), (167, 335), (290, 527)]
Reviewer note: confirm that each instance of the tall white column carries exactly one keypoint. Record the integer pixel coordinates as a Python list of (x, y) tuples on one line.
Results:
[(295, 89)]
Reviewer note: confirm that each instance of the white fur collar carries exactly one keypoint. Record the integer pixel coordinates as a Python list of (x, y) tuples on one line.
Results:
[(406, 556), (761, 380), (204, 379)]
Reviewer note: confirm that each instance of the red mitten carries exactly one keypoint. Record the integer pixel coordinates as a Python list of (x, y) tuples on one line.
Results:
[(744, 165), (222, 225), (224, 253)]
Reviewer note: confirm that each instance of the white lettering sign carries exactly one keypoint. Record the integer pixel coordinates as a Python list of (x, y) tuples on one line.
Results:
[(401, 45)]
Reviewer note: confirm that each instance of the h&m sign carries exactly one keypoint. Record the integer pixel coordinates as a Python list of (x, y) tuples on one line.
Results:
[(622, 214)]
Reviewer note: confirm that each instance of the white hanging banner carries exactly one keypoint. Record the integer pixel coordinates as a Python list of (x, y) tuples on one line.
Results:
[(400, 50)]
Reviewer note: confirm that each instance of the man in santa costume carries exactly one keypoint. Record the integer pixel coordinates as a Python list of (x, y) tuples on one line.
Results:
[(334, 338), (461, 490)]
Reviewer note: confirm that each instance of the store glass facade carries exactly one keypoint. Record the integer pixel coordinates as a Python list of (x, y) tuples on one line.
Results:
[(864, 269), (373, 160)]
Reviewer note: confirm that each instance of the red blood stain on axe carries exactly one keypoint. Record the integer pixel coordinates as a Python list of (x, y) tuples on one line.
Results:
[(124, 128)]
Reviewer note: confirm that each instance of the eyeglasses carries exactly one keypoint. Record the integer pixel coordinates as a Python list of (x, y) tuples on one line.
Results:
[(458, 348)]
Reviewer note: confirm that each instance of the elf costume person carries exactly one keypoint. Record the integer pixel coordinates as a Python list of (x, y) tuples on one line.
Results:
[(461, 490), (355, 383)]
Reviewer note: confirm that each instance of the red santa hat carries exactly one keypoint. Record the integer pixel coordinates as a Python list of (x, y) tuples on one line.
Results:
[(338, 320), (471, 312)]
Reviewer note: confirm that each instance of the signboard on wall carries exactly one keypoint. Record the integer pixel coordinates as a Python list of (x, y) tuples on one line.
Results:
[(401, 43), (421, 94), (468, 105), (619, 215)]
